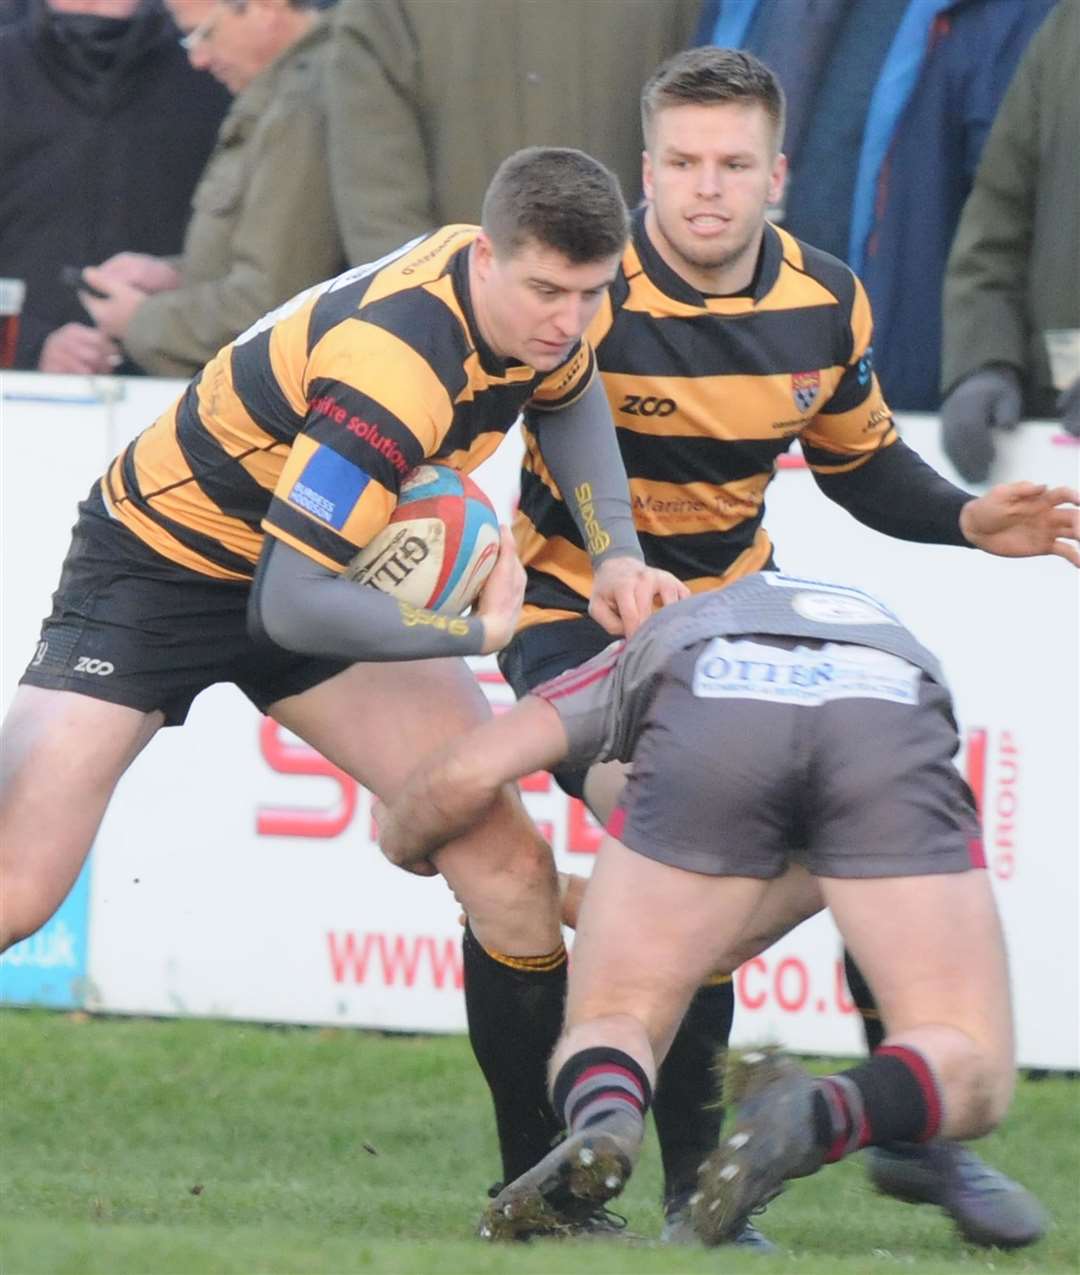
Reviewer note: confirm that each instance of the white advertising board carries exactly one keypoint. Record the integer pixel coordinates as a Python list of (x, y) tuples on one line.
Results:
[(235, 874)]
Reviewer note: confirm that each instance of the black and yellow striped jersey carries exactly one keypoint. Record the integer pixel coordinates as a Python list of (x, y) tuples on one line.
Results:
[(707, 392), (305, 426)]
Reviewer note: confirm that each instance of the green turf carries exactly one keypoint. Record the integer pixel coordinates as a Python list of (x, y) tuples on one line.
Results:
[(184, 1148)]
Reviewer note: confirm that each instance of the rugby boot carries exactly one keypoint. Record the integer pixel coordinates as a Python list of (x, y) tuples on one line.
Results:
[(565, 1193), (772, 1141), (987, 1207), (678, 1228)]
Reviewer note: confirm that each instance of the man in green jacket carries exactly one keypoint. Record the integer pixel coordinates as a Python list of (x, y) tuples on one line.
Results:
[(1013, 278), (262, 225), (427, 97)]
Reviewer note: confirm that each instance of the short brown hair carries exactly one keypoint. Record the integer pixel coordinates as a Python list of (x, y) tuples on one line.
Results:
[(561, 198), (711, 76)]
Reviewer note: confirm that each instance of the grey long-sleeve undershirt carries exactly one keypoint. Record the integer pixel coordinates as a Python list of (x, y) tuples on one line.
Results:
[(579, 453), (305, 607)]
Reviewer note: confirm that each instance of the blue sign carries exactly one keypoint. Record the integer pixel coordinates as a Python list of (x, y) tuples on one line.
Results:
[(329, 487), (49, 968)]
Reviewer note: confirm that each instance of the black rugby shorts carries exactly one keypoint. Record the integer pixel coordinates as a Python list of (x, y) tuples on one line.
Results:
[(129, 627)]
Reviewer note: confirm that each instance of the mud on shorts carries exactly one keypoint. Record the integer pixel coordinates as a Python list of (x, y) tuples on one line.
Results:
[(761, 751), (132, 628)]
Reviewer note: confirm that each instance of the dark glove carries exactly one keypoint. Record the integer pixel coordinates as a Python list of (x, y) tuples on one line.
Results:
[(986, 400), (1068, 406)]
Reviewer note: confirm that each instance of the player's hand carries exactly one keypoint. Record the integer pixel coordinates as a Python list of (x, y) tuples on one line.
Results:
[(1068, 406), (140, 270), (113, 312), (394, 842), (1024, 520), (499, 604), (78, 349), (986, 400), (625, 592)]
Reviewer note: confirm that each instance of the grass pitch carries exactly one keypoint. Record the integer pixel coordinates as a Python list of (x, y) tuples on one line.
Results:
[(190, 1148)]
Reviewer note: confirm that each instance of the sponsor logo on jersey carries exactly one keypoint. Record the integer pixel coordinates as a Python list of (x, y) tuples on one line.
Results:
[(745, 669), (637, 405), (367, 431), (329, 487), (805, 387)]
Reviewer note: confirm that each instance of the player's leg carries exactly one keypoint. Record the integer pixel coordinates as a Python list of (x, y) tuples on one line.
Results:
[(891, 839), (376, 721), (692, 852), (932, 949), (61, 756), (647, 934), (988, 1207), (686, 1112), (123, 651), (946, 1000)]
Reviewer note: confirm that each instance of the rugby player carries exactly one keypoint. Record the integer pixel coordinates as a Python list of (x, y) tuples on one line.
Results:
[(212, 550), (790, 745), (722, 340)]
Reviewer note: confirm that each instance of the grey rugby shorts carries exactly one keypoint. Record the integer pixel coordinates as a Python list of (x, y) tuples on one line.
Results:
[(850, 787)]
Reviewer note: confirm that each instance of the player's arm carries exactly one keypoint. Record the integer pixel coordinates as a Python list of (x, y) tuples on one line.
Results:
[(447, 794), (858, 459), (304, 606), (580, 450), (896, 492)]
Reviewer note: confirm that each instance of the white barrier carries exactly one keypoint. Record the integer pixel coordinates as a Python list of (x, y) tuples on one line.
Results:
[(235, 873)]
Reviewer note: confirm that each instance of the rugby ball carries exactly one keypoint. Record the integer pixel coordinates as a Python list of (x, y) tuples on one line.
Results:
[(439, 546)]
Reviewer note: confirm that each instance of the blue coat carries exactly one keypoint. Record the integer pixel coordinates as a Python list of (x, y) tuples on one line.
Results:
[(930, 108)]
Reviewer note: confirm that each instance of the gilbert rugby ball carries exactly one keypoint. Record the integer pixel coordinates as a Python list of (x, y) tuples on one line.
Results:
[(439, 546)]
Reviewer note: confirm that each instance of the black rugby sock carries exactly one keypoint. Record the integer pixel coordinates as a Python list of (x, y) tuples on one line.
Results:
[(686, 1106), (515, 1008), (892, 1097), (873, 1027)]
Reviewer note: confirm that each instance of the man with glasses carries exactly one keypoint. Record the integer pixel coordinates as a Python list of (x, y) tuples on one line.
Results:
[(84, 86), (262, 226)]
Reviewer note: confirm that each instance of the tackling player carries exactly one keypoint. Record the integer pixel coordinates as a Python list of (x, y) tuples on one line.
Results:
[(790, 744)]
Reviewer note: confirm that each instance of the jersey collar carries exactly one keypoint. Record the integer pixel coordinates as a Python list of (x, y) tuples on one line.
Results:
[(491, 363), (676, 287)]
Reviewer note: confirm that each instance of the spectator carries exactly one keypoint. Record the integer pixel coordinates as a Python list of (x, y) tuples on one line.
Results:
[(1014, 270), (262, 227), (105, 132), (12, 11), (445, 90), (889, 106)]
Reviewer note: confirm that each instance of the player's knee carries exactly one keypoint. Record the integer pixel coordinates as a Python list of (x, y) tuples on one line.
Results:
[(505, 880), (23, 911)]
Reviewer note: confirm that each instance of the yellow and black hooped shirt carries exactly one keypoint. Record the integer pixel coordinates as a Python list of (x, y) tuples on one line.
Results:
[(305, 426), (707, 393)]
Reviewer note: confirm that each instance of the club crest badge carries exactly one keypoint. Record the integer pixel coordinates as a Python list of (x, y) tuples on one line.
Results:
[(805, 387)]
